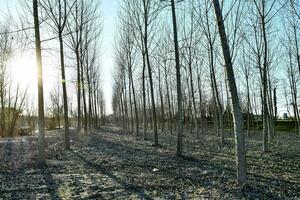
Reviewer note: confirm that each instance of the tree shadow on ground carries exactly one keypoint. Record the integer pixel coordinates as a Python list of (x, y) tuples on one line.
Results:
[(125, 184), (50, 183), (130, 166), (172, 166)]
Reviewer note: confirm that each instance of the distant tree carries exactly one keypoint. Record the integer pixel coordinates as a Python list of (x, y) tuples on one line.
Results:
[(15, 108), (56, 107), (5, 54), (30, 116)]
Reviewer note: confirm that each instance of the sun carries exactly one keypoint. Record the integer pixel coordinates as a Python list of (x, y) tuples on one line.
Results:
[(24, 70)]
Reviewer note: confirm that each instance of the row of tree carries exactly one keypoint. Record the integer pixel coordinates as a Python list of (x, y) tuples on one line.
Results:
[(176, 70), (76, 24), (73, 29)]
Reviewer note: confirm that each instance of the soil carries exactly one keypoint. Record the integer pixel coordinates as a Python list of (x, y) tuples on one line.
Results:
[(111, 164)]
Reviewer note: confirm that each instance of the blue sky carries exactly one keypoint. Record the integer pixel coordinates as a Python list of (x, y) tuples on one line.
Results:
[(109, 10), (109, 13)]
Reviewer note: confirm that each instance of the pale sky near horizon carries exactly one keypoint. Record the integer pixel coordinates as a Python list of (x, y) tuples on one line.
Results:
[(109, 13), (109, 10)]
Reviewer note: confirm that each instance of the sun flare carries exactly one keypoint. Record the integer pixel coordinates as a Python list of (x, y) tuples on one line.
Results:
[(24, 70)]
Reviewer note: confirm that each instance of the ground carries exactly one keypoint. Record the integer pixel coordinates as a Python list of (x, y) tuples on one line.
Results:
[(111, 164)]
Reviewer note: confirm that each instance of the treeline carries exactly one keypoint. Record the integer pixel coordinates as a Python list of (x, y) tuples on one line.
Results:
[(12, 96), (182, 63)]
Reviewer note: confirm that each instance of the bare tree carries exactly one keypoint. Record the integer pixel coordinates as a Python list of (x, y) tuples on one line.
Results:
[(237, 114), (144, 13), (58, 12), (5, 52), (41, 121), (178, 83), (56, 108)]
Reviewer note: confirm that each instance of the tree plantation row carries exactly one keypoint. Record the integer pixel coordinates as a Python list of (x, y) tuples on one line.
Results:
[(69, 31), (188, 64)]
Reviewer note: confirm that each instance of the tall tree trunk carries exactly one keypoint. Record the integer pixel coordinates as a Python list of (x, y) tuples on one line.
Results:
[(271, 110), (248, 105), (122, 112), (275, 109), (190, 109), (297, 48), (169, 99), (89, 100), (151, 92), (88, 83), (178, 83), (193, 96), (84, 100), (237, 114), (130, 104), (162, 117), (3, 117), (64, 88), (265, 88), (78, 92), (41, 117), (125, 103), (95, 107), (136, 112), (218, 106), (134, 102), (92, 105), (149, 105), (200, 103), (145, 121)]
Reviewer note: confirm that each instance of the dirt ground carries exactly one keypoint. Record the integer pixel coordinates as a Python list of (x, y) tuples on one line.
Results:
[(111, 164)]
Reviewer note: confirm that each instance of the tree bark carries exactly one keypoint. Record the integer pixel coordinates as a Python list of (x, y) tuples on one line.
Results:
[(41, 117), (145, 121), (193, 96), (78, 92), (237, 114), (162, 117), (84, 99), (64, 87), (200, 104), (265, 87), (178, 83), (169, 99), (151, 92)]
